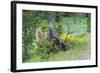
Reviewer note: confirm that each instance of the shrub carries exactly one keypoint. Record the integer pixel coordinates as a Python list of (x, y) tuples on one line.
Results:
[(45, 48)]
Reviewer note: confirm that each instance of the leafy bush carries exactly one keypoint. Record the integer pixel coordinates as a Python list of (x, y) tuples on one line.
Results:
[(45, 48)]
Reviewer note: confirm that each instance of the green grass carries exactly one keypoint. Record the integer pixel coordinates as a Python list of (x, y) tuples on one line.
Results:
[(77, 52), (80, 50)]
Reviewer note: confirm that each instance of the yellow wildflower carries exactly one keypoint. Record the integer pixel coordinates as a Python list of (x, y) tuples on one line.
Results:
[(69, 37), (63, 37)]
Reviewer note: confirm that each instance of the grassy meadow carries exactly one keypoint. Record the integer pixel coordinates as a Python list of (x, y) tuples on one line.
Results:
[(72, 29)]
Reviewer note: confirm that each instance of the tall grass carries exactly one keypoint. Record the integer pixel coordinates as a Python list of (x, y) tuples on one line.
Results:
[(77, 52)]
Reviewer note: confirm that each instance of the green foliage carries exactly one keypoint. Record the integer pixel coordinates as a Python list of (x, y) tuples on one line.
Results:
[(45, 48), (76, 52), (43, 51), (58, 28), (72, 23)]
